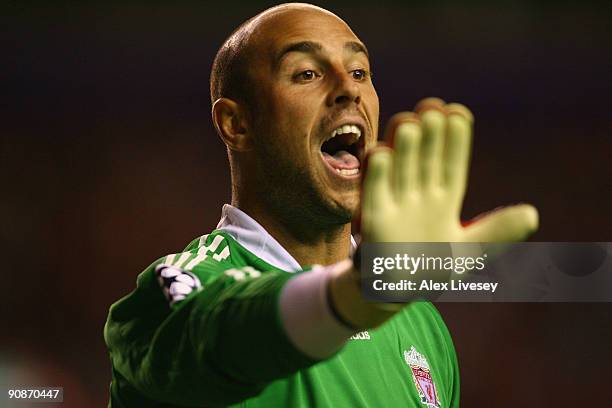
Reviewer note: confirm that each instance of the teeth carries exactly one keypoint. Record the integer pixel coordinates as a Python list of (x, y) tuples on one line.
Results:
[(346, 129), (347, 172)]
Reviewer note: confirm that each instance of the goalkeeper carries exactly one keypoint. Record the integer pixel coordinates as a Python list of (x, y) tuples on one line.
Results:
[(265, 311)]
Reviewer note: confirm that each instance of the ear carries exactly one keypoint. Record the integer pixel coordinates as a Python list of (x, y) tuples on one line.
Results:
[(231, 124)]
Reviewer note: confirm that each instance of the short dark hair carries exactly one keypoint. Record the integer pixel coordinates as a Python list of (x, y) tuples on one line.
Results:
[(229, 76)]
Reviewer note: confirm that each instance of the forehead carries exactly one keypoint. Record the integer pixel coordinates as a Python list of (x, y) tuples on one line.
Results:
[(277, 30)]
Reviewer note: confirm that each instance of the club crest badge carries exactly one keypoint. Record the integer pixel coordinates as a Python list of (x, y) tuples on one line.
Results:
[(422, 378)]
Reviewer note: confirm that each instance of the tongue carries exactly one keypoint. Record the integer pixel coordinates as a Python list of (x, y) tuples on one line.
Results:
[(342, 160)]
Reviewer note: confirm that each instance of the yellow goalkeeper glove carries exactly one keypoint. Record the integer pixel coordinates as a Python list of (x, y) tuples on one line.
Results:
[(413, 192)]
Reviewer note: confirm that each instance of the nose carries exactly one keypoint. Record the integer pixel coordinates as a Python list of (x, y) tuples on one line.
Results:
[(346, 90)]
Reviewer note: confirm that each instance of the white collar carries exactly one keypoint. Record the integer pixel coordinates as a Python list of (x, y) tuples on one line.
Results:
[(251, 235)]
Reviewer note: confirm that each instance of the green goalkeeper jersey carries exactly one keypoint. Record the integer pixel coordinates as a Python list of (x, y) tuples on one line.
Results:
[(203, 329)]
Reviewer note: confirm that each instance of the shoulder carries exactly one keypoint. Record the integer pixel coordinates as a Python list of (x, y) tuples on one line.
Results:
[(203, 260), (213, 248)]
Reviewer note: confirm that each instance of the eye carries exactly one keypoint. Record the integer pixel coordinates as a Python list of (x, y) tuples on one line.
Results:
[(359, 74), (306, 76)]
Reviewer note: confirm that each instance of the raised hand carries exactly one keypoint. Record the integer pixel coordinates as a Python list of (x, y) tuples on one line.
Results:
[(413, 190)]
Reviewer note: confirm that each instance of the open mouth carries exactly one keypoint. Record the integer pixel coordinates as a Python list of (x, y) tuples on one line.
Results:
[(343, 150)]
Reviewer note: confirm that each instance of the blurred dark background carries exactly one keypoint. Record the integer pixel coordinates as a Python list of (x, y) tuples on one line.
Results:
[(108, 161)]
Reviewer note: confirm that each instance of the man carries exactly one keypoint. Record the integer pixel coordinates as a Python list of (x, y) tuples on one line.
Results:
[(242, 317)]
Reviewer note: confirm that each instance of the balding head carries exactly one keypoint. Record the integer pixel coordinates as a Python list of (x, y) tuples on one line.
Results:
[(230, 71)]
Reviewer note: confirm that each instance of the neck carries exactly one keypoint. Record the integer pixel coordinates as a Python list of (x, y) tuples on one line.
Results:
[(309, 243)]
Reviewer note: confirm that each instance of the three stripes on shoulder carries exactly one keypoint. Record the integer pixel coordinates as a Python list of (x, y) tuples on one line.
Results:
[(176, 280), (189, 260)]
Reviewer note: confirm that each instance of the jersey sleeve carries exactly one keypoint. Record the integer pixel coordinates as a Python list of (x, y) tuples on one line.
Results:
[(205, 333)]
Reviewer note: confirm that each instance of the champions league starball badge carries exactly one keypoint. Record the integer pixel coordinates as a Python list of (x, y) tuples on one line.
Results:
[(422, 378)]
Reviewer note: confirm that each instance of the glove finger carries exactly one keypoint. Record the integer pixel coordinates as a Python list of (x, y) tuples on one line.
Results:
[(433, 127), (395, 121), (508, 224), (406, 159), (429, 103), (376, 190), (458, 148)]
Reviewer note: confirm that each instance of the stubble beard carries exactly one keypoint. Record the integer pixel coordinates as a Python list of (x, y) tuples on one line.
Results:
[(292, 194)]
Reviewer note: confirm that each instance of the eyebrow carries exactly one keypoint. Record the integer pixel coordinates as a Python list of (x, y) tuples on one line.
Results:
[(357, 47), (311, 47)]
